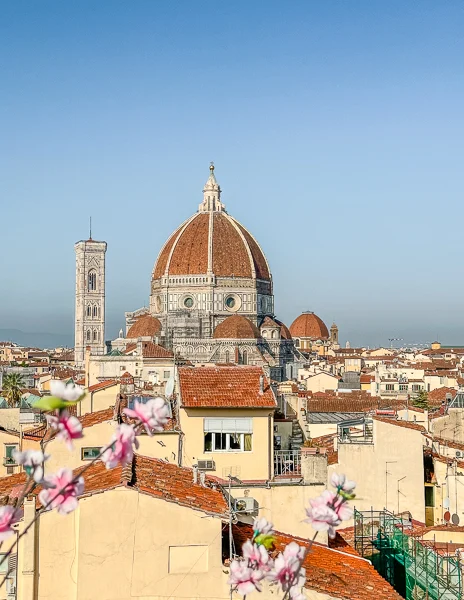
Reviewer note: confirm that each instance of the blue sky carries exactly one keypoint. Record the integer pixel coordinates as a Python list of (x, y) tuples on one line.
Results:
[(336, 129)]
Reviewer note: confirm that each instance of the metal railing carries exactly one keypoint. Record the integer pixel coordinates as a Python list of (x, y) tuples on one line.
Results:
[(287, 462), (9, 461)]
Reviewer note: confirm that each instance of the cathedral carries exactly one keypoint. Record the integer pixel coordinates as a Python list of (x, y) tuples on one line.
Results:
[(211, 298)]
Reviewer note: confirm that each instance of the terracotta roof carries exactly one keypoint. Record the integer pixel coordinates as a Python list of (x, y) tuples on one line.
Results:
[(220, 387), (327, 442), (309, 325), (366, 378), (144, 326), (95, 418), (234, 251), (436, 397), (130, 348), (149, 475), (102, 385), (152, 350), (236, 327), (284, 330), (350, 403), (399, 423), (340, 573)]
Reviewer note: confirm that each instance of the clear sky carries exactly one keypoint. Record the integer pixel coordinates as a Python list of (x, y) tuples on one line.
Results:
[(336, 128)]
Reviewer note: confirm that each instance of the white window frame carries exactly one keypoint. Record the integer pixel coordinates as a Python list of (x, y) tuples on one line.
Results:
[(228, 427)]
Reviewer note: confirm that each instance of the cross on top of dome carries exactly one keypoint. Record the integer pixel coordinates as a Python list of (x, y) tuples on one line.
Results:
[(211, 194)]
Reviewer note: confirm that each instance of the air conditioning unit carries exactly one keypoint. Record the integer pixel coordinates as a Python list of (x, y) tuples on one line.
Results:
[(10, 587), (206, 465), (245, 505), (458, 453)]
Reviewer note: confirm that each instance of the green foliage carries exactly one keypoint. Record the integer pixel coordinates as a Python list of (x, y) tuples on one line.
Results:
[(421, 400), (12, 385)]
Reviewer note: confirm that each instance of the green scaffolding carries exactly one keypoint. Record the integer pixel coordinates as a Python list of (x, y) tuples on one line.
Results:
[(413, 566)]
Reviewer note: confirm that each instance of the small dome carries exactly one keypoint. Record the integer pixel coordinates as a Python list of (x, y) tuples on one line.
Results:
[(144, 326), (309, 325), (236, 327), (284, 332)]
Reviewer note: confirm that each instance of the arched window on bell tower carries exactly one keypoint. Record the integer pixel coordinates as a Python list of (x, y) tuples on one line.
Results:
[(95, 311), (92, 287), (244, 357)]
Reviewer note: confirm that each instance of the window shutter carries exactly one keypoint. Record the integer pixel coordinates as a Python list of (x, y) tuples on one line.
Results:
[(228, 425)]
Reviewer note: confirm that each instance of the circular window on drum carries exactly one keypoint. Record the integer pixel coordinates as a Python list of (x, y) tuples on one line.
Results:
[(188, 302), (232, 302)]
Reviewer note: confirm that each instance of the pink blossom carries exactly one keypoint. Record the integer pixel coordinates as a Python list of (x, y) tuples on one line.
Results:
[(262, 526), (66, 391), (69, 428), (340, 482), (296, 594), (8, 516), (63, 491), (288, 572), (257, 556), (152, 415), (33, 462), (122, 447), (244, 578), (292, 550), (327, 511)]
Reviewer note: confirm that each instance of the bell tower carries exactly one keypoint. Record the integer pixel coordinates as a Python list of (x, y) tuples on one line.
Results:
[(90, 299)]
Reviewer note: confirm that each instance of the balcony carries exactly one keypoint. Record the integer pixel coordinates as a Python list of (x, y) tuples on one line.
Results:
[(355, 431), (9, 461), (287, 462)]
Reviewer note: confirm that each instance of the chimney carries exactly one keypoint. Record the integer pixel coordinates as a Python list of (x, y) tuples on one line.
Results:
[(314, 465), (261, 384), (195, 474), (202, 479)]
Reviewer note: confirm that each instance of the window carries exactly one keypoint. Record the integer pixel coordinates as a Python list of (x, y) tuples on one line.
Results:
[(403, 387), (416, 388), (3, 564), (9, 449), (188, 302), (89, 453), (244, 357), (88, 335), (228, 435), (429, 500), (92, 281), (227, 356), (89, 311), (95, 336), (95, 311), (166, 374), (390, 387), (230, 302)]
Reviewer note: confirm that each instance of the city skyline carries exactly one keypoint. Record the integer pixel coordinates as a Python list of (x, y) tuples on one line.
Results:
[(336, 147)]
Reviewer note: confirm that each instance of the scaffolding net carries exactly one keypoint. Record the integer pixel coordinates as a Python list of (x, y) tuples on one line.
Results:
[(418, 569)]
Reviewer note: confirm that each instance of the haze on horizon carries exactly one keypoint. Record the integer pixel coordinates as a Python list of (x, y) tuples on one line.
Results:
[(336, 130)]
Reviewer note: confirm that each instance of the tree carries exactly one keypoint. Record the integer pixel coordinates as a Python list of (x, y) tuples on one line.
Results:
[(12, 384), (421, 400)]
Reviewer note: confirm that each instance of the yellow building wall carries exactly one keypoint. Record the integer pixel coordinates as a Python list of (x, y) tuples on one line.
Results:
[(122, 544), (397, 452), (99, 400), (257, 464), (161, 445)]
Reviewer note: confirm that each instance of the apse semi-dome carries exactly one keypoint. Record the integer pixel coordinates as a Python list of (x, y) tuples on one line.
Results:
[(236, 327), (309, 325), (212, 242), (144, 326)]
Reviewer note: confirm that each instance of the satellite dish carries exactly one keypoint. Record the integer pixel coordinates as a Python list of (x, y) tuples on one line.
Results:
[(447, 516), (446, 503), (455, 519), (169, 388)]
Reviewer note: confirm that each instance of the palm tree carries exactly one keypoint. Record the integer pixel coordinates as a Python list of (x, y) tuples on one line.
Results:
[(12, 384)]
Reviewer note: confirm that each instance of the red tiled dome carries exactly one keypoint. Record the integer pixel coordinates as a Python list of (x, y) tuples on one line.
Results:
[(309, 325), (236, 327), (217, 237), (284, 330), (144, 326)]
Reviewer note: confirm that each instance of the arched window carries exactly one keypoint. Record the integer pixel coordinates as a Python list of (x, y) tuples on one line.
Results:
[(244, 357), (297, 342), (95, 311), (95, 336), (88, 335), (274, 334), (227, 356), (92, 281), (89, 311)]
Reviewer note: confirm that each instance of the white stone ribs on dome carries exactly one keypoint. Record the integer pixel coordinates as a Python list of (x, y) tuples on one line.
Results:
[(210, 243), (236, 223), (245, 243)]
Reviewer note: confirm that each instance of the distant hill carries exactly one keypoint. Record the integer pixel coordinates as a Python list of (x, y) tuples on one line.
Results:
[(39, 340)]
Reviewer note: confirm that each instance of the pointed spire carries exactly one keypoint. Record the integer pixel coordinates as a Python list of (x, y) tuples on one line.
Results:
[(211, 194), (90, 229)]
